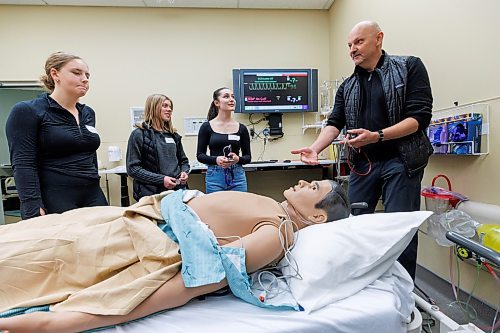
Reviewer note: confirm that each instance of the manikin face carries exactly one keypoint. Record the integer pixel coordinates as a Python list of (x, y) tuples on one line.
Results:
[(225, 101), (72, 78), (364, 44), (166, 110), (304, 196)]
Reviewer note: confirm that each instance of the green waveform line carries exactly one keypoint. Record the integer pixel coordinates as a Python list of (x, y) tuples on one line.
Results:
[(271, 86)]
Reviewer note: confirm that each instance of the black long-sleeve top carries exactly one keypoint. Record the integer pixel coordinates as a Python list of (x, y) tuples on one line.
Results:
[(171, 161), (373, 110), (216, 142), (45, 139)]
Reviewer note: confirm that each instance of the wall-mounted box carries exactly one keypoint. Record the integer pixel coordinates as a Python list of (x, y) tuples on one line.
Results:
[(438, 135), (466, 130), (458, 134)]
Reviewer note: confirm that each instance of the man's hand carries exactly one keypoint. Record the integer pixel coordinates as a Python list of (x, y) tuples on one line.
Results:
[(307, 155), (360, 137)]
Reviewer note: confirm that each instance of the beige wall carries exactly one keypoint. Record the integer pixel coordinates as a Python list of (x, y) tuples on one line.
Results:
[(184, 53), (456, 40), (187, 53)]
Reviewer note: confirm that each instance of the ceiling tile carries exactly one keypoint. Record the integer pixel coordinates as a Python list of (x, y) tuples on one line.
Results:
[(22, 2), (193, 3), (261, 4), (285, 4), (111, 3)]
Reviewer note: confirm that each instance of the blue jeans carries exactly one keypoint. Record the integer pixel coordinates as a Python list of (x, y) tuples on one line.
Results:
[(230, 179)]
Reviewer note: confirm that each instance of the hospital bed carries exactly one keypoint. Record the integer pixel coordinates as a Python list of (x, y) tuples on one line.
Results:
[(370, 310), (349, 282), (338, 289), (381, 306)]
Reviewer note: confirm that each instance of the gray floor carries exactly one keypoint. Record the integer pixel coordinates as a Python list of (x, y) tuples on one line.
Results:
[(441, 292)]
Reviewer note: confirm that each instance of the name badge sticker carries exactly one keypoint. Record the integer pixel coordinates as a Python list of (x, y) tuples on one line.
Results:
[(91, 129), (169, 140), (232, 137)]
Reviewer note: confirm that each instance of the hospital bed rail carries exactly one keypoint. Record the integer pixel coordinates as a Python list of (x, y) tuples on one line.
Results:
[(479, 249), (482, 253)]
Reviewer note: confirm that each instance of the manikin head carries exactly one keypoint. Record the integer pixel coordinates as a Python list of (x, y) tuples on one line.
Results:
[(317, 202), (365, 44)]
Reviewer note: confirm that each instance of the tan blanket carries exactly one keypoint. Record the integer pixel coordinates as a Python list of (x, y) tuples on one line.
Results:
[(101, 260)]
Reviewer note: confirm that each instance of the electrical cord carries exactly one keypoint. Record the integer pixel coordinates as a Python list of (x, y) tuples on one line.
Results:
[(255, 122), (495, 325), (428, 323), (466, 308), (429, 300), (349, 164)]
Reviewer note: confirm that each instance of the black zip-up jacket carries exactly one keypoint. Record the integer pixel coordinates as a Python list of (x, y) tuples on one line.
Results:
[(45, 141), (398, 88), (152, 155)]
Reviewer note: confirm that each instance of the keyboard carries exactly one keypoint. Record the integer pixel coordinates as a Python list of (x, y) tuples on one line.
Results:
[(262, 162)]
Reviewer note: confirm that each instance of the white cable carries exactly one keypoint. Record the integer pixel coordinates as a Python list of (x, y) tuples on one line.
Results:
[(273, 288)]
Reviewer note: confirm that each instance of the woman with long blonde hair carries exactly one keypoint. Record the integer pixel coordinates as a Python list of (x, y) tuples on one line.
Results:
[(155, 157)]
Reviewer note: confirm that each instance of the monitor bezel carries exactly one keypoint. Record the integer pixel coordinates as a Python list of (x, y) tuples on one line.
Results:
[(238, 88)]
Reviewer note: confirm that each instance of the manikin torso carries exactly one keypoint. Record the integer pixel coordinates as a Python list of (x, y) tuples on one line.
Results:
[(229, 213)]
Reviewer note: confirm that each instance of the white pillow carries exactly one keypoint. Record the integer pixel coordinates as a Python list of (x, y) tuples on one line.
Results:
[(338, 259)]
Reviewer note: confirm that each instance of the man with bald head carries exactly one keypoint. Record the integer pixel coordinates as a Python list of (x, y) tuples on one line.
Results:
[(385, 106)]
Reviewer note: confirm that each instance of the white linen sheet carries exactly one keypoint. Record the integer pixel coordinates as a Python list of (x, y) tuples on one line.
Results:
[(379, 307)]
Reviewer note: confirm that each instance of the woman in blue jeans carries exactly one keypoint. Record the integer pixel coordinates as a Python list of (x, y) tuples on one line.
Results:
[(225, 138)]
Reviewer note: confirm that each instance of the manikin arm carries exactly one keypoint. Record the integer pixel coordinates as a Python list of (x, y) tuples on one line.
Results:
[(262, 247)]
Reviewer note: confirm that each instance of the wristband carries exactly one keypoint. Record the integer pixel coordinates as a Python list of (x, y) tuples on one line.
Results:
[(380, 135)]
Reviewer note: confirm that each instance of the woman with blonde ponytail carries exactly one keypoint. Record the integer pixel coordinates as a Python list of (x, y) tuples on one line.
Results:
[(53, 142)]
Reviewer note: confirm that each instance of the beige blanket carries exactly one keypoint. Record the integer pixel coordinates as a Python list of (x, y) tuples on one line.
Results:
[(101, 260)]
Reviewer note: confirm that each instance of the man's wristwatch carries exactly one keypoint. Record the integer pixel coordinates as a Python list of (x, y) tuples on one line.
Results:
[(380, 135)]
